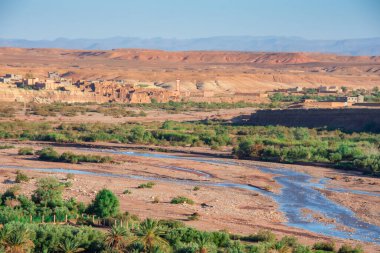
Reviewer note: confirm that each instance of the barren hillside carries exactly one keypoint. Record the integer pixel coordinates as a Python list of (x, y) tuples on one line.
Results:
[(216, 70)]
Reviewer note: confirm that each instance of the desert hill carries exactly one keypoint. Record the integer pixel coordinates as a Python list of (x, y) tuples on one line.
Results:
[(222, 71)]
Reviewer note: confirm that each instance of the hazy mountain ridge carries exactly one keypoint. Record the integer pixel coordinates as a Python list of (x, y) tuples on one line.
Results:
[(370, 46)]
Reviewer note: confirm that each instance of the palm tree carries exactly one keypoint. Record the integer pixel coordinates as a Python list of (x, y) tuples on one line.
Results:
[(150, 235), (110, 250), (116, 237), (285, 249), (156, 249), (17, 239), (4, 233), (203, 241), (69, 246), (235, 247)]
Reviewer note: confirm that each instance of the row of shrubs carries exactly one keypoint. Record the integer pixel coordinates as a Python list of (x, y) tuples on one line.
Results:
[(6, 146), (185, 106), (281, 97), (359, 151), (49, 154), (344, 156)]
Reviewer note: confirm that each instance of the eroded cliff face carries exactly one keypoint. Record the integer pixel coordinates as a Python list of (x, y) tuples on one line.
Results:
[(353, 119), (217, 71)]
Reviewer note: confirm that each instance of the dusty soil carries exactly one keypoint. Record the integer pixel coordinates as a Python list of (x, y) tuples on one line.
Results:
[(318, 217), (365, 207), (222, 72), (151, 115), (234, 210)]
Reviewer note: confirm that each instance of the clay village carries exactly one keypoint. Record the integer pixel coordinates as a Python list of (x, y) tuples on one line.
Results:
[(55, 88)]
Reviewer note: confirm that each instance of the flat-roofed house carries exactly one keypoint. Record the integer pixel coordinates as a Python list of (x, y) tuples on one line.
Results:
[(329, 89), (31, 81), (54, 75), (351, 99), (295, 89)]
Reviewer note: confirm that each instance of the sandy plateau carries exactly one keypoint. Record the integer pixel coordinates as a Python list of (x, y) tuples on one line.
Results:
[(231, 209), (219, 71)]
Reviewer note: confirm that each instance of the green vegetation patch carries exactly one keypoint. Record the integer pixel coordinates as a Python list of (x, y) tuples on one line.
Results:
[(6, 146), (148, 185), (49, 154), (21, 177), (25, 151), (355, 151), (182, 200), (28, 227)]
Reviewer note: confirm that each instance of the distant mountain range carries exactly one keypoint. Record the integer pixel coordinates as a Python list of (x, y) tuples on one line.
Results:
[(370, 46)]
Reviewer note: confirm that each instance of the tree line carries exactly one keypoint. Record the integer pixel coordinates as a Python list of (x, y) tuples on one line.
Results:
[(356, 151)]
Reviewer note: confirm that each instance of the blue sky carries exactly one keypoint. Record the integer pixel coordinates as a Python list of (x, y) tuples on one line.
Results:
[(311, 19)]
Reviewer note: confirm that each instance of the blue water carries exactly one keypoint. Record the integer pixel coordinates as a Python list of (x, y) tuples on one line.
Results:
[(322, 185), (298, 192)]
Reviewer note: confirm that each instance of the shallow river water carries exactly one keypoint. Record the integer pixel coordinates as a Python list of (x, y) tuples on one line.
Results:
[(298, 192)]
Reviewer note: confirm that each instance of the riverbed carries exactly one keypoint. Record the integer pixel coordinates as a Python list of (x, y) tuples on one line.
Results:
[(299, 191)]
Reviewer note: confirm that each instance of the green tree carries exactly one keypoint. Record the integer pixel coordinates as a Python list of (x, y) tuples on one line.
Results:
[(277, 97), (168, 124), (137, 134), (301, 134), (244, 149), (235, 247), (105, 204), (335, 157), (371, 163), (48, 154), (27, 205), (49, 192), (11, 193)]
